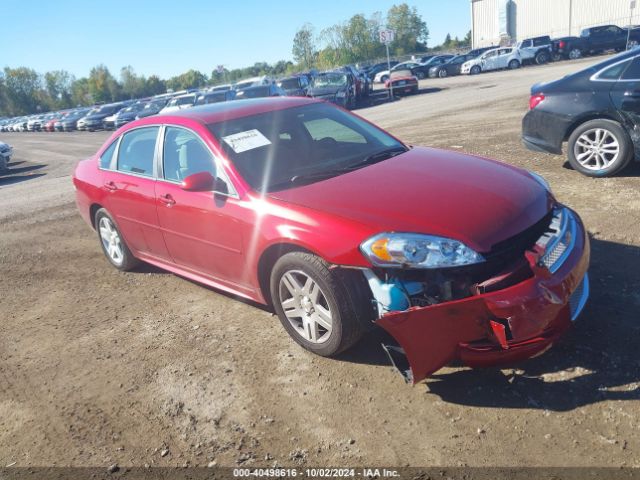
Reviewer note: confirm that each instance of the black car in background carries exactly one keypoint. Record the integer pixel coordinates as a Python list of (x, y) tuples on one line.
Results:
[(334, 86), (377, 68), (93, 120), (451, 67), (294, 86), (596, 111), (216, 97), (128, 114), (596, 40), (258, 91), (422, 70), (69, 123), (152, 108)]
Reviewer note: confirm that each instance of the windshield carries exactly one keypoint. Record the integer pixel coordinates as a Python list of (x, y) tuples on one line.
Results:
[(333, 79), (289, 83), (272, 149), (254, 92)]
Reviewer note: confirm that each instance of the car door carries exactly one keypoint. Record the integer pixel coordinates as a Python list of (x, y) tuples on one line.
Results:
[(489, 60), (625, 93), (129, 178), (200, 228)]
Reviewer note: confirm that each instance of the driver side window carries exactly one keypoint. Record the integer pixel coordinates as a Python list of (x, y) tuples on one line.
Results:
[(184, 154)]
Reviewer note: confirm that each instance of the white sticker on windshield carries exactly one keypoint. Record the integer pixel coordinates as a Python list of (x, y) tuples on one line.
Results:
[(243, 141)]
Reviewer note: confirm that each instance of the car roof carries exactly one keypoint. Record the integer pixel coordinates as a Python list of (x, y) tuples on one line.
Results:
[(219, 112)]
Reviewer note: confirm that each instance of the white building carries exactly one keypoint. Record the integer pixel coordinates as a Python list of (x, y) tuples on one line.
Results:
[(505, 21)]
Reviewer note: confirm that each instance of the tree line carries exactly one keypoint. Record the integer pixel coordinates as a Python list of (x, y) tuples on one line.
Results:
[(25, 91)]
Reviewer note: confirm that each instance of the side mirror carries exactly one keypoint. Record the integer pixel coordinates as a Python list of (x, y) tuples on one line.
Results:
[(198, 182)]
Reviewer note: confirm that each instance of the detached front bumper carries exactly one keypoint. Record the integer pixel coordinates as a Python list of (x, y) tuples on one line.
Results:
[(502, 326)]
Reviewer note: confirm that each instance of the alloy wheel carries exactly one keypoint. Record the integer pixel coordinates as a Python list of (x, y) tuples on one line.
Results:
[(305, 306), (575, 53), (111, 240), (597, 149)]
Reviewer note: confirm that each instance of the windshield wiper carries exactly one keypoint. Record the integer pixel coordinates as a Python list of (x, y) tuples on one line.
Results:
[(368, 160)]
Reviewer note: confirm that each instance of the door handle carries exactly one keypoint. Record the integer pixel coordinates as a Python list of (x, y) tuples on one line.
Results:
[(167, 200), (110, 186)]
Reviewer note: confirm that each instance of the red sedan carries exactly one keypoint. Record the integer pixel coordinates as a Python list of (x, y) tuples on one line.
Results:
[(339, 226), (403, 82)]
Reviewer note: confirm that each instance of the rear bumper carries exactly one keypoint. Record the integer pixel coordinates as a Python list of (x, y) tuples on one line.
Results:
[(539, 145), (544, 131), (502, 326)]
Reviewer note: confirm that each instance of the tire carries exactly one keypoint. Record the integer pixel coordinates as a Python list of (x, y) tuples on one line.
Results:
[(542, 57), (604, 162), (420, 75), (632, 44), (574, 53), (556, 57), (295, 279), (125, 260), (442, 73), (384, 78), (514, 64), (475, 70)]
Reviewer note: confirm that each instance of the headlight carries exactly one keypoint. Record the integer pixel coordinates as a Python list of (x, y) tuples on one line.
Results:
[(540, 180), (417, 251), (341, 94)]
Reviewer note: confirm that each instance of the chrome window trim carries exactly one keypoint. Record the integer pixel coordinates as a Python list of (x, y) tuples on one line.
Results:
[(220, 172), (594, 77)]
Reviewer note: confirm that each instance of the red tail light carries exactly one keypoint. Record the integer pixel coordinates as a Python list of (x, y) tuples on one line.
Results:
[(561, 44), (535, 100)]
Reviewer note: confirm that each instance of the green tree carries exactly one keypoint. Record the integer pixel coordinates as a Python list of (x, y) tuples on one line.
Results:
[(102, 86), (411, 30), (57, 86), (22, 87), (304, 48)]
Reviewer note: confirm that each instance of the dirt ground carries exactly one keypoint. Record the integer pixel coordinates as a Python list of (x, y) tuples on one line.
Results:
[(145, 368)]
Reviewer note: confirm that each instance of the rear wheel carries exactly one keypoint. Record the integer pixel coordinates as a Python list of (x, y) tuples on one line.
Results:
[(442, 73), (513, 64), (600, 148), (632, 44), (542, 57), (384, 78), (575, 53), (316, 306), (112, 242)]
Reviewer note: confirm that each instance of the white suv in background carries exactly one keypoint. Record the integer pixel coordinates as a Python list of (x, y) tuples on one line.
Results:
[(496, 59)]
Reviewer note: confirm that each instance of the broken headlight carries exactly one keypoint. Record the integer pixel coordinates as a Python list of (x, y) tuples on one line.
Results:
[(417, 251)]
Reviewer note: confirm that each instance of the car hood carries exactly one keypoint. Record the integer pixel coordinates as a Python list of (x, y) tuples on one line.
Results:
[(478, 201), (325, 91)]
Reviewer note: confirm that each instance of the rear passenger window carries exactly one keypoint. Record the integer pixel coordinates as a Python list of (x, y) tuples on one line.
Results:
[(107, 156), (633, 72), (137, 150), (614, 71)]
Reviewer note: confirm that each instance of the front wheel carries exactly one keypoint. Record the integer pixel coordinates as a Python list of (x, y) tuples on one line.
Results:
[(632, 44), (384, 78), (600, 148), (315, 305), (420, 75), (112, 242), (442, 73), (475, 70)]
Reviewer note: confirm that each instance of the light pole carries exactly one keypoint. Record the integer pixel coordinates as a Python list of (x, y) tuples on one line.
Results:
[(632, 5)]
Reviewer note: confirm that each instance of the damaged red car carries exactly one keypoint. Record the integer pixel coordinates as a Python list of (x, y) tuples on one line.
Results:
[(341, 227), (403, 82)]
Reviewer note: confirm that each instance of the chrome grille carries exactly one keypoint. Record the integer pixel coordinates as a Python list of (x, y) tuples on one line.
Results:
[(558, 242)]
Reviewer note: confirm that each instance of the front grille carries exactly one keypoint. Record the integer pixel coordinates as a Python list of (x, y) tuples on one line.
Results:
[(579, 297)]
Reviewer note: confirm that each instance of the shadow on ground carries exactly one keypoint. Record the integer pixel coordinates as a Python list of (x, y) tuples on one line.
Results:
[(16, 174)]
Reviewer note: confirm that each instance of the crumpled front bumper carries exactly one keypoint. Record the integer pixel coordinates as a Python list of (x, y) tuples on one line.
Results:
[(499, 327)]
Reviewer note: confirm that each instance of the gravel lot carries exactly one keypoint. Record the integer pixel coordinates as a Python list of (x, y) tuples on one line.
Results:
[(100, 367)]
